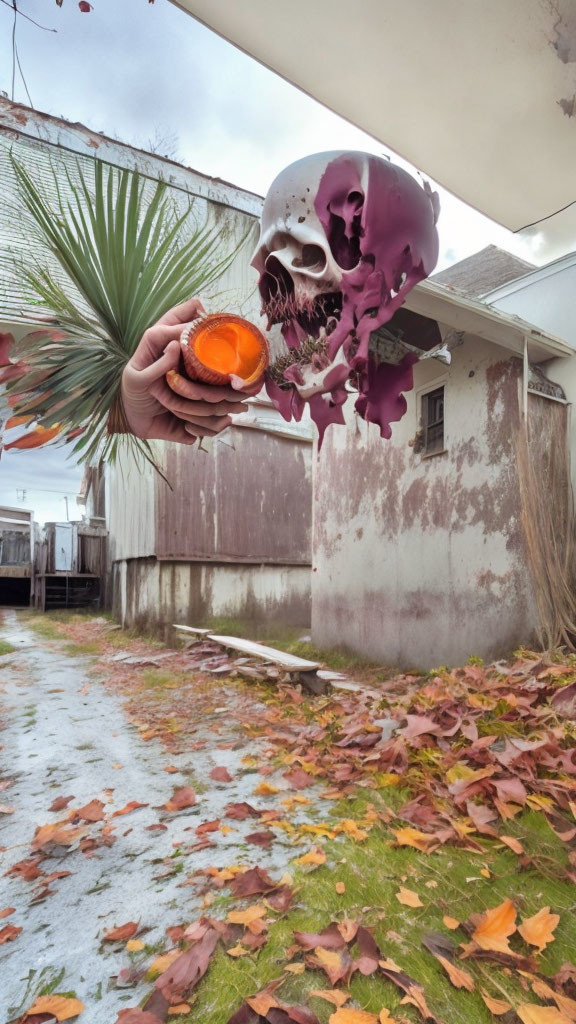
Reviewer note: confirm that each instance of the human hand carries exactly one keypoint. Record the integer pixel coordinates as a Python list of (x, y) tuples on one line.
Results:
[(152, 409)]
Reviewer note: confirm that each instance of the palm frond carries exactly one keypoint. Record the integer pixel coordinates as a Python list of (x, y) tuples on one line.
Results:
[(116, 254)]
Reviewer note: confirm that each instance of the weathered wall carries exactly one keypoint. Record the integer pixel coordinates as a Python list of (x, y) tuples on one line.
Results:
[(151, 595), (247, 500), (420, 561)]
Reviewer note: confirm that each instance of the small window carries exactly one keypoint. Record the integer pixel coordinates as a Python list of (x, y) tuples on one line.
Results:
[(433, 421)]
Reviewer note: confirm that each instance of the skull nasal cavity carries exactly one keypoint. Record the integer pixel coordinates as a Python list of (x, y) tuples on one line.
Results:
[(344, 239)]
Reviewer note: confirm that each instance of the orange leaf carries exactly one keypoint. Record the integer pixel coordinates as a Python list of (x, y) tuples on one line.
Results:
[(183, 796), (122, 932), (347, 929), (451, 922), (246, 916), (135, 945), (132, 806), (8, 933), (262, 1003), (61, 1007), (314, 856), (238, 950), (531, 1013), (7, 911), (412, 837), (566, 1005), (495, 927), (179, 1009), (265, 789), (348, 1016), (458, 977), (513, 844), (408, 897), (537, 930), (164, 961), (333, 995), (36, 438), (60, 833), (340, 888), (496, 1006), (295, 968), (385, 1018)]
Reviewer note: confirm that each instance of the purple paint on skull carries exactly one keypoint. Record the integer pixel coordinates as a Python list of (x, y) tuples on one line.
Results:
[(367, 236)]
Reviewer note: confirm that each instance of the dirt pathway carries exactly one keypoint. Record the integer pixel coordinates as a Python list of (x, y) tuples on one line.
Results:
[(66, 735)]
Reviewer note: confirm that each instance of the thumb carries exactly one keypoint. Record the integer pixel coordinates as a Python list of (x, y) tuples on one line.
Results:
[(168, 361)]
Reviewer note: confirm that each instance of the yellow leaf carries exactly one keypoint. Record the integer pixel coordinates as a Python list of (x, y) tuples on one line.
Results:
[(61, 1007), (566, 1005), (485, 872), (412, 837), (451, 922), (247, 916), (531, 1013), (135, 945), (314, 856), (408, 897), (348, 1016), (458, 977), (537, 930), (164, 961), (340, 888), (350, 828), (238, 951), (333, 995), (385, 1018), (265, 789), (173, 1011), (495, 927), (496, 1006), (295, 968), (387, 779)]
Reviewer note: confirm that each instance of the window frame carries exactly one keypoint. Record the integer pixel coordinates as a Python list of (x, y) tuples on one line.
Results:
[(421, 394)]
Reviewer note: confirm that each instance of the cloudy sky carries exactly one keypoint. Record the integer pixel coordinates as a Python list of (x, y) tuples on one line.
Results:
[(150, 75)]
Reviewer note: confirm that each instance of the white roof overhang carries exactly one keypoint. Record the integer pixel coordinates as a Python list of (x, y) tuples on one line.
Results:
[(481, 96)]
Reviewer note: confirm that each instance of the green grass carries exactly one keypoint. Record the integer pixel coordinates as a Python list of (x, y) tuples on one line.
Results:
[(372, 872), (6, 648)]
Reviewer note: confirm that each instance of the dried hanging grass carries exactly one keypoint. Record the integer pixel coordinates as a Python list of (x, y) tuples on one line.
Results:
[(548, 520)]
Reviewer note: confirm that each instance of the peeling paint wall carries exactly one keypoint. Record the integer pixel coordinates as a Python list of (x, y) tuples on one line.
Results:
[(151, 595), (419, 561)]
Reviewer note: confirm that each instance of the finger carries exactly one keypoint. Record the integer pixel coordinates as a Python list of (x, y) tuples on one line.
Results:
[(153, 344), (181, 314), (157, 370), (181, 406), (191, 392), (214, 423), (209, 392)]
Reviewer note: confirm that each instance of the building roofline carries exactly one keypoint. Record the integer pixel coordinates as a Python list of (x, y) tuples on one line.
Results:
[(538, 274), (476, 317), (28, 122)]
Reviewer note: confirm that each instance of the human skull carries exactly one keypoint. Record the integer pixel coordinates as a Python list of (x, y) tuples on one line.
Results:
[(344, 237)]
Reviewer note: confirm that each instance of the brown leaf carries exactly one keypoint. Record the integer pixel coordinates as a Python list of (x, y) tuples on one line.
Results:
[(60, 803), (27, 870), (451, 922), (263, 838), (496, 1006), (187, 970), (132, 806), (538, 930), (183, 796), (458, 977), (7, 911), (494, 928), (220, 775), (330, 938), (241, 811), (122, 932), (93, 811), (136, 1016), (443, 949), (7, 809), (418, 840), (60, 834), (61, 1007), (299, 779), (8, 933), (254, 882)]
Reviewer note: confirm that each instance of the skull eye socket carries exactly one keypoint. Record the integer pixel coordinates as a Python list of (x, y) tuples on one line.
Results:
[(311, 258)]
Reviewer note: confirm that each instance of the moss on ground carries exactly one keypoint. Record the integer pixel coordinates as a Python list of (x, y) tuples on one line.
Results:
[(6, 648), (448, 882)]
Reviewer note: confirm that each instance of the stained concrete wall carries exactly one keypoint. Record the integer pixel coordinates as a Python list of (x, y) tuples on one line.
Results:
[(419, 561), (151, 595)]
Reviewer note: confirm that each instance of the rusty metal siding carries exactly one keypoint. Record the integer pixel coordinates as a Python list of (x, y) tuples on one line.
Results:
[(249, 503)]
